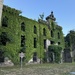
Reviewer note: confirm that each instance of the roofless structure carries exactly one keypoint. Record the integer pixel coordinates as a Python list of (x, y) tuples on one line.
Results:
[(21, 34)]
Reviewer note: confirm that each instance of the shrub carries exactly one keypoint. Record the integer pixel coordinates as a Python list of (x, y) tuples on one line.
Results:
[(56, 50)]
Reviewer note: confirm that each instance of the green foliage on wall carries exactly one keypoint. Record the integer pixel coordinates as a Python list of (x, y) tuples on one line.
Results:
[(14, 32), (57, 52), (70, 40)]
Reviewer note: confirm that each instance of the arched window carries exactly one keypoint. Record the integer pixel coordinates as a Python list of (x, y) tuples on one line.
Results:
[(44, 31), (58, 35), (23, 26), (35, 42), (52, 35), (5, 22), (35, 30)]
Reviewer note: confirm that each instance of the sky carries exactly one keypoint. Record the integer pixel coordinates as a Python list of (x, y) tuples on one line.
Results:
[(64, 10)]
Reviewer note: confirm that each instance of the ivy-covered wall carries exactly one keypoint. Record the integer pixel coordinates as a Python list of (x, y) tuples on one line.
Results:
[(14, 33)]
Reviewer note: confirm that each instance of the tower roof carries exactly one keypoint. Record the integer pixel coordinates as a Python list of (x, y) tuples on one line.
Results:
[(51, 16)]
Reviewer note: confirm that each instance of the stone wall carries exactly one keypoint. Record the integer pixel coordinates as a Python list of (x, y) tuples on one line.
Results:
[(1, 6)]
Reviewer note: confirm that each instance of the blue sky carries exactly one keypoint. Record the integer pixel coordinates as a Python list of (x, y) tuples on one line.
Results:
[(64, 10)]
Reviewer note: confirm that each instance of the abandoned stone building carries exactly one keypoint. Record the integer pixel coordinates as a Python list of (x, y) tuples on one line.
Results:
[(21, 34)]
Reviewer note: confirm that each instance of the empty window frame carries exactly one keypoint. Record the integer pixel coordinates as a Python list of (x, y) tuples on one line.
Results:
[(23, 26), (5, 22), (44, 43), (22, 41), (35, 57), (35, 43), (3, 39), (52, 42)]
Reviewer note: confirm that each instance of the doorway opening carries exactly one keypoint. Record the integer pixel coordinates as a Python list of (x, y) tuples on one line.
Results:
[(35, 57), (1, 56)]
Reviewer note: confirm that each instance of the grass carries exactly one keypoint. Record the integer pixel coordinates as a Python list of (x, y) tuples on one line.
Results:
[(39, 69)]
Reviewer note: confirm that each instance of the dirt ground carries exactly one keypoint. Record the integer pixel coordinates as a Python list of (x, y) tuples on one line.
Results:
[(39, 69)]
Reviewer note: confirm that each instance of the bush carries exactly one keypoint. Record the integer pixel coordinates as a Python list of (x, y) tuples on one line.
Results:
[(56, 50)]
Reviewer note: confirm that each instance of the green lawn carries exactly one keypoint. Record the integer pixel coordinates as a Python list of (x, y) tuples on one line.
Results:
[(39, 69)]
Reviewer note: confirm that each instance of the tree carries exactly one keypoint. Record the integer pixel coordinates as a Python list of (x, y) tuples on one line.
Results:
[(41, 16), (70, 43), (70, 40)]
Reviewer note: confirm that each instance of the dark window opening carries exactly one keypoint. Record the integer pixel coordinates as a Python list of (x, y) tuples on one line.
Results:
[(35, 57), (51, 57), (52, 35), (44, 32), (44, 44), (1, 56), (3, 38), (58, 43), (23, 26), (35, 30), (22, 41), (58, 36), (35, 42), (52, 42), (5, 22)]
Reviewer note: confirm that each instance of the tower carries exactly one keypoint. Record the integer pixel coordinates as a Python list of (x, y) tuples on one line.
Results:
[(1, 6)]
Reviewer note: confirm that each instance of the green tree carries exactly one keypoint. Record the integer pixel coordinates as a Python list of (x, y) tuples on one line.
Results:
[(70, 40), (70, 43)]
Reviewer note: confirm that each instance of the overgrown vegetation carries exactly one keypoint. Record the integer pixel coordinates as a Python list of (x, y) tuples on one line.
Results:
[(54, 53), (70, 40), (70, 43), (14, 31)]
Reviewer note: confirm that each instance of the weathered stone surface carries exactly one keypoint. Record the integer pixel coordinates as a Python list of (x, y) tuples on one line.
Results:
[(7, 62), (1, 6)]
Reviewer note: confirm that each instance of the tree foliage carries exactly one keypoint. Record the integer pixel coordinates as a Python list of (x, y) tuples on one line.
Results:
[(70, 40)]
